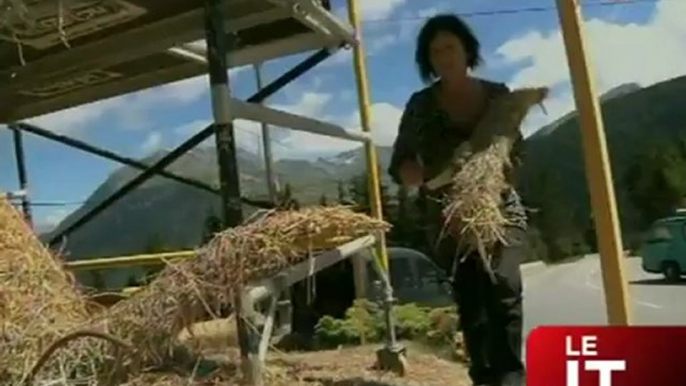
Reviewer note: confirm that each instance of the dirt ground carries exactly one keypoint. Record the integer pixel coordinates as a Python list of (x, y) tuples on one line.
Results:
[(352, 366)]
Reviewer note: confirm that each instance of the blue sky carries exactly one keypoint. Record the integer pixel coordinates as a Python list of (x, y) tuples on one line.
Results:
[(520, 48)]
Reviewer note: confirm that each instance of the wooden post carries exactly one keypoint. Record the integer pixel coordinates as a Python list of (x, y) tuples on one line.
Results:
[(597, 166)]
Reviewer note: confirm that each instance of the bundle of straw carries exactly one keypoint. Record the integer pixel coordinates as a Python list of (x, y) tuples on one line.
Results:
[(473, 212), (38, 300), (188, 291)]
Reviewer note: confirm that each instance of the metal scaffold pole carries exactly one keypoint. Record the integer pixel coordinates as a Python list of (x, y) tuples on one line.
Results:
[(229, 181), (266, 146), (598, 170), (21, 173)]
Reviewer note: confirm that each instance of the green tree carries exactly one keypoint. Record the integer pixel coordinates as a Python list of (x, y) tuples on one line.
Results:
[(323, 201), (656, 181), (562, 232), (211, 226), (342, 194), (359, 194), (286, 199)]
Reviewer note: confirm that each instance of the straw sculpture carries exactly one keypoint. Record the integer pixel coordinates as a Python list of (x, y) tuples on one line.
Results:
[(478, 176), (140, 333)]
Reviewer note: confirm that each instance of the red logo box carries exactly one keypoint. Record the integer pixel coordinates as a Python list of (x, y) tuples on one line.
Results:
[(606, 356)]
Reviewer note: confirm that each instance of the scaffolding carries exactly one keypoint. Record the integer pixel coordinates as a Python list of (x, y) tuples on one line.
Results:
[(101, 62)]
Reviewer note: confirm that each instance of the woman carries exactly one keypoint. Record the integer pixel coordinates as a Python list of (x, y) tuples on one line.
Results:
[(436, 120)]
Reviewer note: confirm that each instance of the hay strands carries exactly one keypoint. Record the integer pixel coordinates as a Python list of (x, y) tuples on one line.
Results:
[(477, 176), (192, 290)]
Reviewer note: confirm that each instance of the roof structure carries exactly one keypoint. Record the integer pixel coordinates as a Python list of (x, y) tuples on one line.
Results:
[(85, 51), (57, 54)]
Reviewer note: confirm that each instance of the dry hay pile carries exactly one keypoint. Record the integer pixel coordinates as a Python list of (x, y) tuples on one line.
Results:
[(191, 290), (473, 212), (38, 299)]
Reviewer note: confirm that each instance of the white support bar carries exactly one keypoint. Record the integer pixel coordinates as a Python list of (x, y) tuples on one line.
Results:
[(297, 12), (260, 53), (267, 329), (289, 276), (258, 113), (186, 53), (343, 32)]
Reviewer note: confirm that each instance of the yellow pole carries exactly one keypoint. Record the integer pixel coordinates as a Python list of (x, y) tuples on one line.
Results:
[(374, 182), (597, 166), (127, 261)]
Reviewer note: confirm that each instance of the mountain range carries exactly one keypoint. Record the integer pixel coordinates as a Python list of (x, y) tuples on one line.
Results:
[(553, 177)]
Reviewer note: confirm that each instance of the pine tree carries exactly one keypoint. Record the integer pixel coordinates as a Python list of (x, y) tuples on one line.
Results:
[(212, 226), (656, 181), (323, 200), (287, 201), (342, 196)]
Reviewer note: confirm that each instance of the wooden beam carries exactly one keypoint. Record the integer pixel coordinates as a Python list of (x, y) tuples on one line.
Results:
[(597, 166)]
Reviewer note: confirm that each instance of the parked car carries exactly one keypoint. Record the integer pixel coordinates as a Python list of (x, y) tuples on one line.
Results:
[(415, 278), (663, 248)]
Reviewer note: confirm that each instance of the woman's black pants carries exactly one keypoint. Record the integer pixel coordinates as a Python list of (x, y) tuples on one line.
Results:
[(491, 312)]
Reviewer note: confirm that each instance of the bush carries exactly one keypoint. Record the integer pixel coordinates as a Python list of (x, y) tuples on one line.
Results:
[(365, 323)]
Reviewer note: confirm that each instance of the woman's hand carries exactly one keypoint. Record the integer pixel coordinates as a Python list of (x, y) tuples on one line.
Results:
[(411, 174)]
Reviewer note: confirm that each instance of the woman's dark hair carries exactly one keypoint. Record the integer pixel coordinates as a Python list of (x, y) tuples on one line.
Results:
[(445, 23)]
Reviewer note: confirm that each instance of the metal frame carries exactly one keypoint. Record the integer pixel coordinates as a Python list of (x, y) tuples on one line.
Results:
[(22, 175), (112, 156), (159, 37), (597, 163), (216, 57), (158, 168), (271, 289)]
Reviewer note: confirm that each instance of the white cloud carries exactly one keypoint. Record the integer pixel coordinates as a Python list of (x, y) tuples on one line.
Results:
[(381, 42), (619, 54), (384, 125), (129, 110), (190, 128), (428, 12), (53, 218), (377, 9), (248, 133), (77, 119), (385, 120), (152, 143)]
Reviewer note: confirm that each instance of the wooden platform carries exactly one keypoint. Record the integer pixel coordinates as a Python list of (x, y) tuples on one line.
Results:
[(120, 46)]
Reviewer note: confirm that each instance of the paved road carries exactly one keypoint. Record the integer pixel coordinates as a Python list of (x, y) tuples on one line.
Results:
[(572, 294)]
